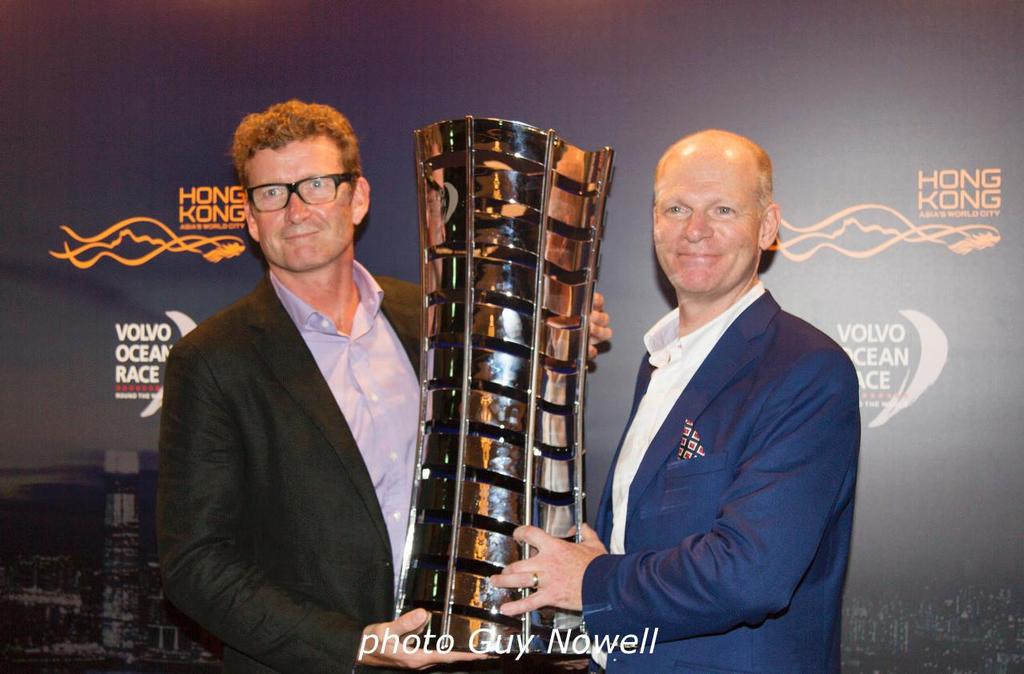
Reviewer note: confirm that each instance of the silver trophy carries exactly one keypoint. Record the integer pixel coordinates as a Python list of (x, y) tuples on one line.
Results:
[(510, 223)]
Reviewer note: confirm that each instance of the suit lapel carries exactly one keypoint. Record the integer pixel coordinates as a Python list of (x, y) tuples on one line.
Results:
[(604, 514), (401, 307), (279, 343), (730, 354)]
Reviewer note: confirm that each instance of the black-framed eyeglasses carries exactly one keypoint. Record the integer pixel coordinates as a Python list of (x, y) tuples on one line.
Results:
[(315, 190)]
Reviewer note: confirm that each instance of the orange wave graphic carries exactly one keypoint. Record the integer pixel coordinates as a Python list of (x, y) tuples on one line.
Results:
[(95, 248), (961, 239)]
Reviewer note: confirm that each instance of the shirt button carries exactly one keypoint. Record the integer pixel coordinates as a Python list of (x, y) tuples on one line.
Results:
[(394, 456), (374, 397), (396, 515)]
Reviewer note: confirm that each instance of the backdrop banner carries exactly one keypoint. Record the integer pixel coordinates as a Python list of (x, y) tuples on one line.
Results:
[(895, 133)]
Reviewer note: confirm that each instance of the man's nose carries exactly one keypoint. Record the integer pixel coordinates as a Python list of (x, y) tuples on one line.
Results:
[(696, 228), (297, 208)]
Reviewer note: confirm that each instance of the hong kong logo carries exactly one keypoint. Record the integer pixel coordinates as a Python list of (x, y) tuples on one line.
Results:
[(135, 241), (952, 205)]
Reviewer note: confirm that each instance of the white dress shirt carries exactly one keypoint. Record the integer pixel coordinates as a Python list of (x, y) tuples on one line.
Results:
[(376, 389)]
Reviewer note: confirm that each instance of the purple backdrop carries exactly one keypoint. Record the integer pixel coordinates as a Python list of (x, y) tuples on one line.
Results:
[(895, 132)]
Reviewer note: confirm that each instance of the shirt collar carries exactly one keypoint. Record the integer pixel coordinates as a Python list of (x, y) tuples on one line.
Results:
[(371, 295), (666, 346)]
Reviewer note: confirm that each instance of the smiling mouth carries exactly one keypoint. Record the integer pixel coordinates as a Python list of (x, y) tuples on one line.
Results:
[(300, 234), (698, 256)]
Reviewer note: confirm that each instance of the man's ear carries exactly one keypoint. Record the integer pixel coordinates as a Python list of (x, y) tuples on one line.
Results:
[(360, 199), (770, 221), (250, 221)]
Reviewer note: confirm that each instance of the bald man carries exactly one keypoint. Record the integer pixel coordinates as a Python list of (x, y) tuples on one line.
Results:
[(725, 523)]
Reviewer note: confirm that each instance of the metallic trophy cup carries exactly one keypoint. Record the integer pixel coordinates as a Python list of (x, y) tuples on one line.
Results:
[(510, 223)]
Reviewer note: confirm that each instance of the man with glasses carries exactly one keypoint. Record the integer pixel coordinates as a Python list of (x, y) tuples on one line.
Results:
[(289, 423)]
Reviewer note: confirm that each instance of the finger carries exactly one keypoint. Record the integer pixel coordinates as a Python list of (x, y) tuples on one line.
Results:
[(533, 536), (522, 566), (591, 352), (422, 660), (599, 319), (598, 300), (460, 656), (590, 539), (599, 335), (436, 657), (513, 580), (532, 603), (585, 532), (413, 621)]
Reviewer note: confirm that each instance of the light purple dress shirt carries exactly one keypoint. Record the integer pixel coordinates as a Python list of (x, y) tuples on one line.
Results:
[(374, 384)]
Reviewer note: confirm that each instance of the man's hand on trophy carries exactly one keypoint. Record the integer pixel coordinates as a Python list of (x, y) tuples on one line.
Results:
[(600, 325), (386, 645), (554, 571)]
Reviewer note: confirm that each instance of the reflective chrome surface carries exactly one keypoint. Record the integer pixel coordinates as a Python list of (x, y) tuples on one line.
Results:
[(474, 543), (510, 224)]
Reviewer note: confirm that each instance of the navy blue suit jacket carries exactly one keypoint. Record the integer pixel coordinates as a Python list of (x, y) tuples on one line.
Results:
[(738, 556)]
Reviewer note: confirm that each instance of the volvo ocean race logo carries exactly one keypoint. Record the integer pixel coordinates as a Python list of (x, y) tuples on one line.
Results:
[(139, 357), (896, 362)]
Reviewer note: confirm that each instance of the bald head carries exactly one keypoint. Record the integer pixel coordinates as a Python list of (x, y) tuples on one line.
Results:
[(726, 144), (713, 216)]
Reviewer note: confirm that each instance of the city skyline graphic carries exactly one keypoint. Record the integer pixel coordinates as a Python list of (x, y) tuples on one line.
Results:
[(85, 604), (92, 605)]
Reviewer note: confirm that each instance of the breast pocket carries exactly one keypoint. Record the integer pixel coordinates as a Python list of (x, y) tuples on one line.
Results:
[(691, 488), (678, 471)]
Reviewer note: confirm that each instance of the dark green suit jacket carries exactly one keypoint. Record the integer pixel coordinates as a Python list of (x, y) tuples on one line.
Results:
[(269, 529)]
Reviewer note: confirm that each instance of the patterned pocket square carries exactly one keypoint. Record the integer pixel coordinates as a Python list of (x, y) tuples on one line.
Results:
[(689, 445)]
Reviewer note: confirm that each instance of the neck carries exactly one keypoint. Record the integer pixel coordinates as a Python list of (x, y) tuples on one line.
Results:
[(697, 311), (330, 290)]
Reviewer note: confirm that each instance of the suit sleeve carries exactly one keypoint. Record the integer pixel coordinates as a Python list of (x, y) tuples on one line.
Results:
[(199, 517), (791, 483)]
